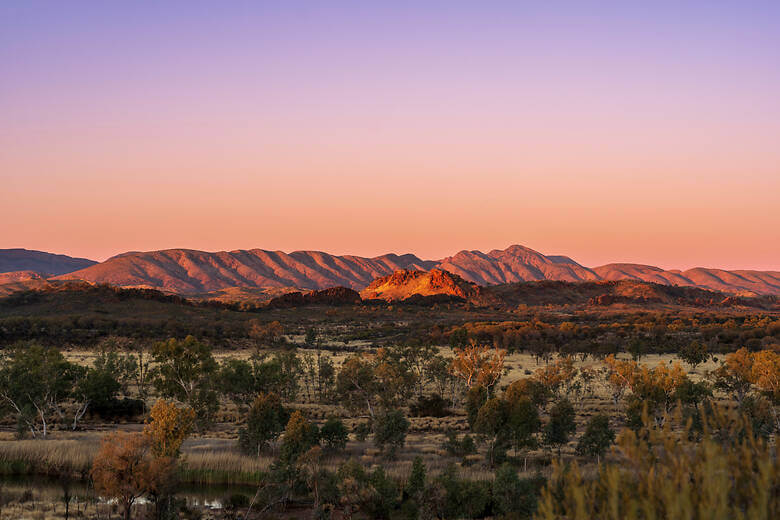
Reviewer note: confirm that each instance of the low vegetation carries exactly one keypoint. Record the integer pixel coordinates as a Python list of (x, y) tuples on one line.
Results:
[(525, 414)]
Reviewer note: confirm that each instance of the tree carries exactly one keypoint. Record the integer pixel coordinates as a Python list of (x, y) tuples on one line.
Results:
[(266, 334), (529, 388), (122, 469), (597, 438), (390, 432), (34, 382), (475, 399), (415, 484), (334, 434), (512, 495), (619, 375), (735, 375), (237, 381), (186, 371), (357, 386), (523, 423), (265, 421), (491, 424), (395, 380), (560, 425), (241, 380), (299, 436), (478, 365), (694, 353), (418, 358), (98, 386), (765, 374), (557, 377), (167, 427)]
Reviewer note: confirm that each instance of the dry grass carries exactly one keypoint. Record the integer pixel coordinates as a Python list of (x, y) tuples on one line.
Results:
[(46, 456)]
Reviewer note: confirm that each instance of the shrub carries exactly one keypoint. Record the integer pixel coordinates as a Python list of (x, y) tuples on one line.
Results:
[(361, 430), (390, 432), (334, 434), (433, 406), (460, 448), (266, 420), (670, 473), (561, 424), (464, 498), (299, 436), (515, 497), (597, 438)]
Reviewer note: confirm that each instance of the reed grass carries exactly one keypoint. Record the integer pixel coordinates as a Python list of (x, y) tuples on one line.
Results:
[(201, 464)]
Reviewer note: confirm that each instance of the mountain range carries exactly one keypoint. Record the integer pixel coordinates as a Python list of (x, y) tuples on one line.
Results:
[(190, 272), (39, 262)]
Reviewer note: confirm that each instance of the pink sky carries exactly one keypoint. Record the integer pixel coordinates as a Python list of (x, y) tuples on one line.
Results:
[(628, 137)]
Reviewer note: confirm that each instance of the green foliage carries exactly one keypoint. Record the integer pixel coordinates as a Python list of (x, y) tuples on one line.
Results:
[(334, 434), (266, 420), (514, 497), (34, 382), (459, 448), (241, 380), (464, 498), (598, 437), (475, 398), (523, 423), (362, 430), (185, 371), (560, 425), (415, 484), (491, 424), (694, 353), (385, 497), (390, 432)]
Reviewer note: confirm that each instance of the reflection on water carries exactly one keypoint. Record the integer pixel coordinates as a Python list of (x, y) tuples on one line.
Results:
[(47, 489)]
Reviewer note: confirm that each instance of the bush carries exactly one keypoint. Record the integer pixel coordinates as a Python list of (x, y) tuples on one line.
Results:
[(118, 409), (334, 434), (464, 498), (266, 420), (561, 424), (597, 438), (361, 431), (515, 497), (460, 448), (433, 406), (390, 432)]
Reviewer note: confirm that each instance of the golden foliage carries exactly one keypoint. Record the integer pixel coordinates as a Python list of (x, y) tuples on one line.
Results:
[(668, 473), (557, 374), (744, 369), (123, 469), (478, 365), (167, 428)]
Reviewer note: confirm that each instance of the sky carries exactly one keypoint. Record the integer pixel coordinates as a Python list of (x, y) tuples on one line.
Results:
[(621, 131)]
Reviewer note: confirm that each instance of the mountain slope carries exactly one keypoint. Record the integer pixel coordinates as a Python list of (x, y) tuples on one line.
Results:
[(187, 271), (743, 283), (404, 284), (40, 262)]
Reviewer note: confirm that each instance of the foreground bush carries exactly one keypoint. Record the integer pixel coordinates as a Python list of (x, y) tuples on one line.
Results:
[(724, 472)]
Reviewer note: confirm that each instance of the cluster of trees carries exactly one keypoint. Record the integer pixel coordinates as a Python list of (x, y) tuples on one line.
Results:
[(129, 466), (636, 333), (351, 490)]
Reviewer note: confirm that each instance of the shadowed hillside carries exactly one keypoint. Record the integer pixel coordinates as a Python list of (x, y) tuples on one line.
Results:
[(40, 262)]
